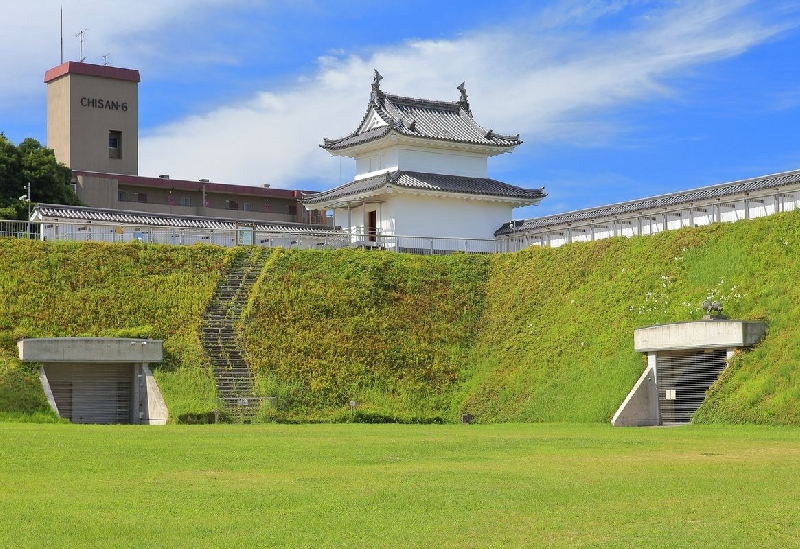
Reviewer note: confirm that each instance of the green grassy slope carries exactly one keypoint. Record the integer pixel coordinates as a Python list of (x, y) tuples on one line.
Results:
[(390, 331), (549, 336), (559, 324), (85, 289), (540, 335)]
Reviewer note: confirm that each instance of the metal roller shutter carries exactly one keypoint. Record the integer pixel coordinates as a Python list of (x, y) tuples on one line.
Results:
[(92, 393), (683, 379)]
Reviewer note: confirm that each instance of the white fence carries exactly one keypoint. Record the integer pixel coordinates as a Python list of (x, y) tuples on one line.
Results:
[(552, 232), (18, 229), (245, 235)]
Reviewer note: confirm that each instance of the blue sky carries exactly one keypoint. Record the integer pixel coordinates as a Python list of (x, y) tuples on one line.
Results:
[(614, 100)]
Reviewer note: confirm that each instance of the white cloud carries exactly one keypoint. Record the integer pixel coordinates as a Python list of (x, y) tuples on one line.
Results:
[(128, 30), (542, 77), (554, 75)]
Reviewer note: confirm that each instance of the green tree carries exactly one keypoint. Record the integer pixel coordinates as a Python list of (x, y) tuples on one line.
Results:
[(31, 162)]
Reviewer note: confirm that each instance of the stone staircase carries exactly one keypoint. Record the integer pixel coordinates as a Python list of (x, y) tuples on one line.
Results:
[(233, 377)]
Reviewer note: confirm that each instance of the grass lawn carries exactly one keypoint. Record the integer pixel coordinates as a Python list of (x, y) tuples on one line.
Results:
[(353, 486)]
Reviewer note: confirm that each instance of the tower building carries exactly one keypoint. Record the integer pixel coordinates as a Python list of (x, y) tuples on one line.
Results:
[(93, 117)]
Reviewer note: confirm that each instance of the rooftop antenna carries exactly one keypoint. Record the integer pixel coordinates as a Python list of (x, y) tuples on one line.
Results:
[(62, 34), (82, 36), (105, 59)]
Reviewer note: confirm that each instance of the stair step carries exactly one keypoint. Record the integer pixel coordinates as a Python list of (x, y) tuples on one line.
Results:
[(218, 333)]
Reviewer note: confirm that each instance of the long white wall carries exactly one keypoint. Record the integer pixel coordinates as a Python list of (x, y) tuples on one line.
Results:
[(656, 221)]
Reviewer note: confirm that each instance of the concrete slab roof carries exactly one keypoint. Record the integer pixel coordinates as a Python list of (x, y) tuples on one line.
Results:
[(90, 349)]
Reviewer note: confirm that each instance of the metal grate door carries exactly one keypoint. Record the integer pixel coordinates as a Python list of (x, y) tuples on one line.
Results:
[(683, 379)]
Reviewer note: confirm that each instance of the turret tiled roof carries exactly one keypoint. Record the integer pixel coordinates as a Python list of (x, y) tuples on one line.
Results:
[(480, 186), (421, 118)]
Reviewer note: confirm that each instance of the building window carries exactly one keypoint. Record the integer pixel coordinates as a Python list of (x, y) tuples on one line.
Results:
[(141, 197), (114, 144), (123, 196), (247, 206), (233, 205), (186, 201)]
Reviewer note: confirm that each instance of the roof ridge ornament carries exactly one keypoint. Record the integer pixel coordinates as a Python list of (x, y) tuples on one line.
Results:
[(377, 94), (463, 102)]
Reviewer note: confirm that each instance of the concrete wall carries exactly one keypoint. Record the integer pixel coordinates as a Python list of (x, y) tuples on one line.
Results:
[(97, 192), (90, 349), (154, 411), (59, 118), (640, 407), (705, 334), (78, 130)]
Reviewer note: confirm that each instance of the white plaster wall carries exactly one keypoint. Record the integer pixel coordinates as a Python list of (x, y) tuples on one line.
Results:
[(376, 162), (469, 165), (353, 221), (418, 160), (556, 239), (447, 217), (702, 216), (413, 215)]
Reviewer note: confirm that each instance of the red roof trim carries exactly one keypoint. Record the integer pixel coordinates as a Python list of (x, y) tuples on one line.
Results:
[(88, 69), (157, 182)]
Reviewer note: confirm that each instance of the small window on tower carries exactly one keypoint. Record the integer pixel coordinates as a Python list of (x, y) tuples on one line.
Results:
[(114, 144)]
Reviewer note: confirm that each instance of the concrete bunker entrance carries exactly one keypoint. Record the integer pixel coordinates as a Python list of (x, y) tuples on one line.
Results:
[(683, 361), (99, 380)]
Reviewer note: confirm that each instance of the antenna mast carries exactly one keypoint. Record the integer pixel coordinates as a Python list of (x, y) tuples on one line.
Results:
[(82, 36), (62, 34), (105, 59)]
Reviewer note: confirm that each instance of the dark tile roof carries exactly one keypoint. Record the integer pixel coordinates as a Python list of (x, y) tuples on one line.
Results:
[(697, 196), (482, 186), (127, 217), (423, 118)]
